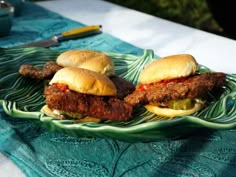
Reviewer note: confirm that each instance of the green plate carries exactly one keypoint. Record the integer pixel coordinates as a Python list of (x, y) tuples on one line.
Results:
[(23, 98)]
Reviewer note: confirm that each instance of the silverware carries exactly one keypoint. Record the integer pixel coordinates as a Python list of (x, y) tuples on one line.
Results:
[(71, 34)]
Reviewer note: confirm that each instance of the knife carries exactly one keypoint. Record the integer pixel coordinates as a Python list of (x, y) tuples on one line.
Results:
[(71, 34)]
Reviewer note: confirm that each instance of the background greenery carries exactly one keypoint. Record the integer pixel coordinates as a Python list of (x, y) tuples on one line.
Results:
[(194, 13)]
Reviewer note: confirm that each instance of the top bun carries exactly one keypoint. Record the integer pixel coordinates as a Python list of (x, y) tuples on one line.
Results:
[(85, 81), (87, 59), (170, 67)]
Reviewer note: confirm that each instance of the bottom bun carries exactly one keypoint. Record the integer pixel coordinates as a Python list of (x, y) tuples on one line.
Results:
[(66, 115), (167, 112)]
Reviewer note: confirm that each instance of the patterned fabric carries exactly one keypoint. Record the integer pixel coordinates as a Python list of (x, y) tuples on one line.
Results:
[(38, 152)]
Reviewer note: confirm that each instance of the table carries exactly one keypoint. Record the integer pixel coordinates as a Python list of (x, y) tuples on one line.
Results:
[(144, 31)]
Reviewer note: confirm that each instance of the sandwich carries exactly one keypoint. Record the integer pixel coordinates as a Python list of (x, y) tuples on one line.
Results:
[(98, 62), (84, 95), (86, 59), (172, 86)]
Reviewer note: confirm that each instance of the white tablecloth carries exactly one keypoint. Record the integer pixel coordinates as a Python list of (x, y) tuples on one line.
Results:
[(144, 31)]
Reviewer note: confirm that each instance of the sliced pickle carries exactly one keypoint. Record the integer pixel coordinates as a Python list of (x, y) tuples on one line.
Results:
[(72, 115), (181, 104), (80, 117)]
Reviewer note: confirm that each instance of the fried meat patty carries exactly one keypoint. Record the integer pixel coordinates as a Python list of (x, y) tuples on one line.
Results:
[(48, 70), (90, 105), (123, 86), (197, 86)]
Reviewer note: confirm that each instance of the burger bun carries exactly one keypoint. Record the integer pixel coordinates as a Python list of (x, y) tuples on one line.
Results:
[(87, 59), (168, 112), (170, 67), (85, 81), (65, 115)]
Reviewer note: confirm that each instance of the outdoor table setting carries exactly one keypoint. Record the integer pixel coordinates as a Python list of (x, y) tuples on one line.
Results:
[(35, 144)]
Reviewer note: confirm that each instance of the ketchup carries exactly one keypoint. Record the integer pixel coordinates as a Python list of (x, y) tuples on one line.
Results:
[(143, 87), (62, 87)]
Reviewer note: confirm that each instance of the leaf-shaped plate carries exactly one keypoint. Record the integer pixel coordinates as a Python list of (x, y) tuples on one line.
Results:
[(23, 98)]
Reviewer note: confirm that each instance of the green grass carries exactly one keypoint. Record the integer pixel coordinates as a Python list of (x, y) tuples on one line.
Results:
[(194, 13)]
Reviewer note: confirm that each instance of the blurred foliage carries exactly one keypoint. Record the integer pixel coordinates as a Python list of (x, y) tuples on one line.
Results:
[(194, 13)]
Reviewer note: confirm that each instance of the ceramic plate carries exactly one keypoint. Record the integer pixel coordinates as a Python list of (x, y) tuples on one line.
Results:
[(23, 98)]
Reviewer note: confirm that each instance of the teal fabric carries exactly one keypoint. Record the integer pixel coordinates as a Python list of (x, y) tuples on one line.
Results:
[(5, 22), (17, 4), (38, 152)]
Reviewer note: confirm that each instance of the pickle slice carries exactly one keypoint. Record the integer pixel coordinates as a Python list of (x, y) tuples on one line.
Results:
[(183, 104)]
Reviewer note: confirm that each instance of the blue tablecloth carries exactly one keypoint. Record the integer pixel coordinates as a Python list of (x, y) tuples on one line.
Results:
[(38, 152)]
